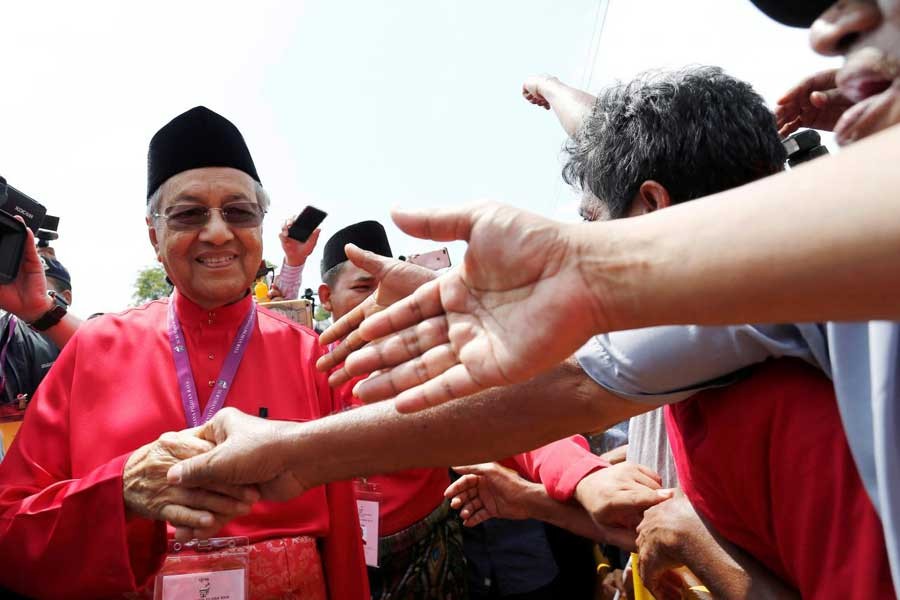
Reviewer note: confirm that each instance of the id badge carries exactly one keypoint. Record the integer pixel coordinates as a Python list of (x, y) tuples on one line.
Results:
[(213, 569), (368, 505)]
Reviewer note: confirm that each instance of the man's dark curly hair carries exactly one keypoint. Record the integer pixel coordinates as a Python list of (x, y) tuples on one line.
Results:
[(696, 131)]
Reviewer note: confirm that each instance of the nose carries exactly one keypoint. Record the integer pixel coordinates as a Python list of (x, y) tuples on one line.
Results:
[(216, 231), (838, 28)]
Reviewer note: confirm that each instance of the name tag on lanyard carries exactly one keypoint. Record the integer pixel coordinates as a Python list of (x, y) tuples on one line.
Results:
[(214, 569), (368, 506)]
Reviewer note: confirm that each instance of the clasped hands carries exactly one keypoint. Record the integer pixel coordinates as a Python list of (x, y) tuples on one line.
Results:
[(178, 478)]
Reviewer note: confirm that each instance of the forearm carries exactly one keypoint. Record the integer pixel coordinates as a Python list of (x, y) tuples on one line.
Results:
[(728, 572), (570, 105), (569, 516), (494, 424), (814, 244)]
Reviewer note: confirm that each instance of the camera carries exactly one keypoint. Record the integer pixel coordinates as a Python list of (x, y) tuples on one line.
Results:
[(803, 146), (12, 232)]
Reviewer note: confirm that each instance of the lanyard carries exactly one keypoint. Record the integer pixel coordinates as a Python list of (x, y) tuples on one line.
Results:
[(186, 377)]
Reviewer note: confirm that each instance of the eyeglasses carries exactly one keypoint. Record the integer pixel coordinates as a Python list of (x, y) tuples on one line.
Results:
[(184, 217)]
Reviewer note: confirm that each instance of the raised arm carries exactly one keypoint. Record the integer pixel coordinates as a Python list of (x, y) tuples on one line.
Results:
[(570, 105)]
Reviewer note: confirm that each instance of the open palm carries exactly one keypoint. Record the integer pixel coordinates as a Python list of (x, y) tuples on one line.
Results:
[(517, 306)]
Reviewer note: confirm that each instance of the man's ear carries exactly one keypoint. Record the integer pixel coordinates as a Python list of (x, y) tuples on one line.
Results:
[(151, 231), (67, 296), (325, 296), (651, 196)]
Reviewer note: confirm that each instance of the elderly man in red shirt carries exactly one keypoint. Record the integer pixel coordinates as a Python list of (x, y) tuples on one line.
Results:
[(84, 497)]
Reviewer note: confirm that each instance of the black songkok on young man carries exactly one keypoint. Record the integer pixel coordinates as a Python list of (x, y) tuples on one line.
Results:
[(193, 140), (368, 235)]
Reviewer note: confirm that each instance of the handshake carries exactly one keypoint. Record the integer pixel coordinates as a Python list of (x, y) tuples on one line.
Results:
[(200, 479)]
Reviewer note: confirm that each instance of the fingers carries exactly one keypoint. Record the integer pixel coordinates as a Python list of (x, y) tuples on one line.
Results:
[(207, 501), (409, 375), (423, 304), (455, 382), (347, 324), (183, 516), (183, 446), (405, 345)]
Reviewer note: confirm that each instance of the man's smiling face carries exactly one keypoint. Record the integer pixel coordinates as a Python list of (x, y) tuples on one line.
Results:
[(213, 264)]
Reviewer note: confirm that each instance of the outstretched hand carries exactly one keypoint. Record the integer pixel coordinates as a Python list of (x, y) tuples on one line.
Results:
[(815, 102), (396, 280), (490, 491), (503, 316), (248, 451)]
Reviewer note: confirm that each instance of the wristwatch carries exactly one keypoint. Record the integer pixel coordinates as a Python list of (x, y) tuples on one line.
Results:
[(54, 315)]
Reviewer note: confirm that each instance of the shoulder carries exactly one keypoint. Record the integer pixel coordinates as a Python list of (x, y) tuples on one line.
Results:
[(135, 323)]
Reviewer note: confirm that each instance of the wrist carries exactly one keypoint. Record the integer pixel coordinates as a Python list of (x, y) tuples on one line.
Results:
[(37, 310), (294, 261), (290, 445), (612, 261)]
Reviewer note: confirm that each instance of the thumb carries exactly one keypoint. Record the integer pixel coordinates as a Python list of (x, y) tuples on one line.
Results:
[(367, 261), (821, 99), (195, 471), (442, 224)]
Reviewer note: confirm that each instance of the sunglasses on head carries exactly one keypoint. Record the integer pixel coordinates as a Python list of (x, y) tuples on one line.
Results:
[(183, 217)]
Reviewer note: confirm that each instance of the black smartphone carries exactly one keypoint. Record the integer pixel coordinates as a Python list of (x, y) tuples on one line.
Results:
[(306, 223)]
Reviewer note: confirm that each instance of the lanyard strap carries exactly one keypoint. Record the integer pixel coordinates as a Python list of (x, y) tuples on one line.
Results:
[(186, 385)]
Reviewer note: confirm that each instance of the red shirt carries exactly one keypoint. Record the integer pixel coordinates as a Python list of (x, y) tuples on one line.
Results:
[(767, 463), (113, 389)]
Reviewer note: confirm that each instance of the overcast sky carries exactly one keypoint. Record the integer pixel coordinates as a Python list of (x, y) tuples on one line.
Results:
[(350, 106)]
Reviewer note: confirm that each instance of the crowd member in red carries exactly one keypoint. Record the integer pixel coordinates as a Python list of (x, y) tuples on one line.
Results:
[(765, 461), (420, 546), (84, 497)]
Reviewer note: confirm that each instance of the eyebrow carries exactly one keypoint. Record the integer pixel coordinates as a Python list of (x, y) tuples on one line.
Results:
[(364, 279), (188, 197)]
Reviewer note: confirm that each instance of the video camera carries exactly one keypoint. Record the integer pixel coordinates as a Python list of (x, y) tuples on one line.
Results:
[(12, 232), (803, 146)]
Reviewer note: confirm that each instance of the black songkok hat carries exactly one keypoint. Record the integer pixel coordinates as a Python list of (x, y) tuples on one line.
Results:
[(794, 13), (53, 268), (368, 235), (193, 140)]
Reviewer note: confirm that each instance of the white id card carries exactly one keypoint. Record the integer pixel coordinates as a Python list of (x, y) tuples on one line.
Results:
[(368, 505), (212, 585), (213, 569)]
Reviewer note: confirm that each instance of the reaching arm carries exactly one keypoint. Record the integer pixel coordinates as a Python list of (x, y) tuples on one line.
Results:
[(293, 457), (570, 105)]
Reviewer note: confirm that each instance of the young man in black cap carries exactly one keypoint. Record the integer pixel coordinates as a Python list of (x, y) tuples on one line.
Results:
[(420, 551), (88, 445)]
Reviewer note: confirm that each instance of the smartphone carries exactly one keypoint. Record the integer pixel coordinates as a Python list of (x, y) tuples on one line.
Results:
[(437, 260), (306, 223)]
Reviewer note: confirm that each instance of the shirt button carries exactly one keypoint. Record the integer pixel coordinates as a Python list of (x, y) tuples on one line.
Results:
[(211, 382), (211, 356)]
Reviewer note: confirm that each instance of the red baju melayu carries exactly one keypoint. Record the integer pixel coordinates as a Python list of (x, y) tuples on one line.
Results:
[(766, 461), (63, 528)]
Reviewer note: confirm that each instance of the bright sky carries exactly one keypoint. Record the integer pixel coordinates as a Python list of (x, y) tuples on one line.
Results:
[(351, 107)]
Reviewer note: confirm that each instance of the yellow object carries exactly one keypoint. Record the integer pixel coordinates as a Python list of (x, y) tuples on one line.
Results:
[(8, 431), (261, 291), (640, 592)]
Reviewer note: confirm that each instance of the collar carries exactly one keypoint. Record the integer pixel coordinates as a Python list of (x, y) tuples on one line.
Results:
[(230, 315)]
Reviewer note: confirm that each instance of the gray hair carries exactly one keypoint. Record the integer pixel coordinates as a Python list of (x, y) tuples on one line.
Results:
[(696, 131), (262, 197)]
